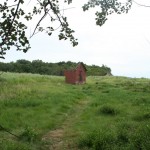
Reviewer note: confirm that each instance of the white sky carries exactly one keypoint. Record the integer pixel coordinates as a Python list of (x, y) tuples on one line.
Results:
[(122, 43)]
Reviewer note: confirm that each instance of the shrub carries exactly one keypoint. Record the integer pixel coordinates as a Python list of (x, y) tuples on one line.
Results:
[(108, 110), (29, 135), (86, 140), (105, 91), (98, 140)]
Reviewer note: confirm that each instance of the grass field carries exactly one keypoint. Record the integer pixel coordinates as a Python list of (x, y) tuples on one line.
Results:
[(45, 113)]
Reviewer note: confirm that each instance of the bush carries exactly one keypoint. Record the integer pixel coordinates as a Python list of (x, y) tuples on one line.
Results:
[(108, 110), (98, 140), (29, 135)]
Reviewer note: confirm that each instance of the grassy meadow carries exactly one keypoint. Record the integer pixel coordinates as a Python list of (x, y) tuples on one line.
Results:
[(45, 113)]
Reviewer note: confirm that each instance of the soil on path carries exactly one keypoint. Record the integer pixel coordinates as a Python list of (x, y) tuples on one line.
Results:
[(62, 138)]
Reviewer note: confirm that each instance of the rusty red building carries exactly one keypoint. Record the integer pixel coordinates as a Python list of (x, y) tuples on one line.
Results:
[(77, 75)]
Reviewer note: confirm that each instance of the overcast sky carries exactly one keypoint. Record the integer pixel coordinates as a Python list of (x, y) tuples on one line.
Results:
[(122, 43)]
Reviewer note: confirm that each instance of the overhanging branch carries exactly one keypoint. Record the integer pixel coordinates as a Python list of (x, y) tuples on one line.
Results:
[(141, 4), (49, 2)]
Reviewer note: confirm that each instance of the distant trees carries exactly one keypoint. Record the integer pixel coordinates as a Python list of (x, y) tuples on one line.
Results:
[(98, 71), (40, 67)]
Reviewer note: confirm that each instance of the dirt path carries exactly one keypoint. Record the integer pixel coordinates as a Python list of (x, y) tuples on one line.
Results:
[(61, 138)]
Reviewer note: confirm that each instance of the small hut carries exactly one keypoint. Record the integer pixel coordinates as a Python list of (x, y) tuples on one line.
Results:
[(77, 75)]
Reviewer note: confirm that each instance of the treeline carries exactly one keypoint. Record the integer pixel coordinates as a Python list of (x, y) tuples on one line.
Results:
[(40, 67)]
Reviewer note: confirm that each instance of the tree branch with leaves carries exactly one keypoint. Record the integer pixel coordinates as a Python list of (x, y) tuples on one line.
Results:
[(12, 29), (14, 16)]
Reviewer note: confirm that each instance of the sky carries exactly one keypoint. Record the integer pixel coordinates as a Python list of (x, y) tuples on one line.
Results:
[(122, 43)]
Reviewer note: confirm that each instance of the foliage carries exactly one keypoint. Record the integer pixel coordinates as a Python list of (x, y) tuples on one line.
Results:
[(98, 140), (108, 110), (14, 18), (28, 135), (40, 67), (107, 7)]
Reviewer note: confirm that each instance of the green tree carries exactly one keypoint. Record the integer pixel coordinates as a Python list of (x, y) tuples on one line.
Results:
[(14, 18), (40, 67), (23, 65)]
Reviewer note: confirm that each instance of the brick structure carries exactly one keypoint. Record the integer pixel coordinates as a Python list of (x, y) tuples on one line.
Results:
[(76, 76)]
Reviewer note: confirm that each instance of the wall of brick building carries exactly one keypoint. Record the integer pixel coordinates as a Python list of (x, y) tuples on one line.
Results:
[(77, 76), (80, 71), (70, 76)]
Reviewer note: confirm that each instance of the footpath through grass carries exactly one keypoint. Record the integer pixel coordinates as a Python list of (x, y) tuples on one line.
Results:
[(107, 113)]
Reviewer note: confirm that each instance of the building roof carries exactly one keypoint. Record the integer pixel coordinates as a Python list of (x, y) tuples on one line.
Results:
[(74, 67), (81, 63)]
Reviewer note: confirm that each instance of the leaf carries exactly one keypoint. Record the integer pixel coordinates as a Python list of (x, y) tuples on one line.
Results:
[(2, 57)]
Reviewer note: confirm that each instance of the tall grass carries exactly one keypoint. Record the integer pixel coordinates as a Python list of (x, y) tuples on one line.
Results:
[(35, 102), (107, 113), (117, 116)]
